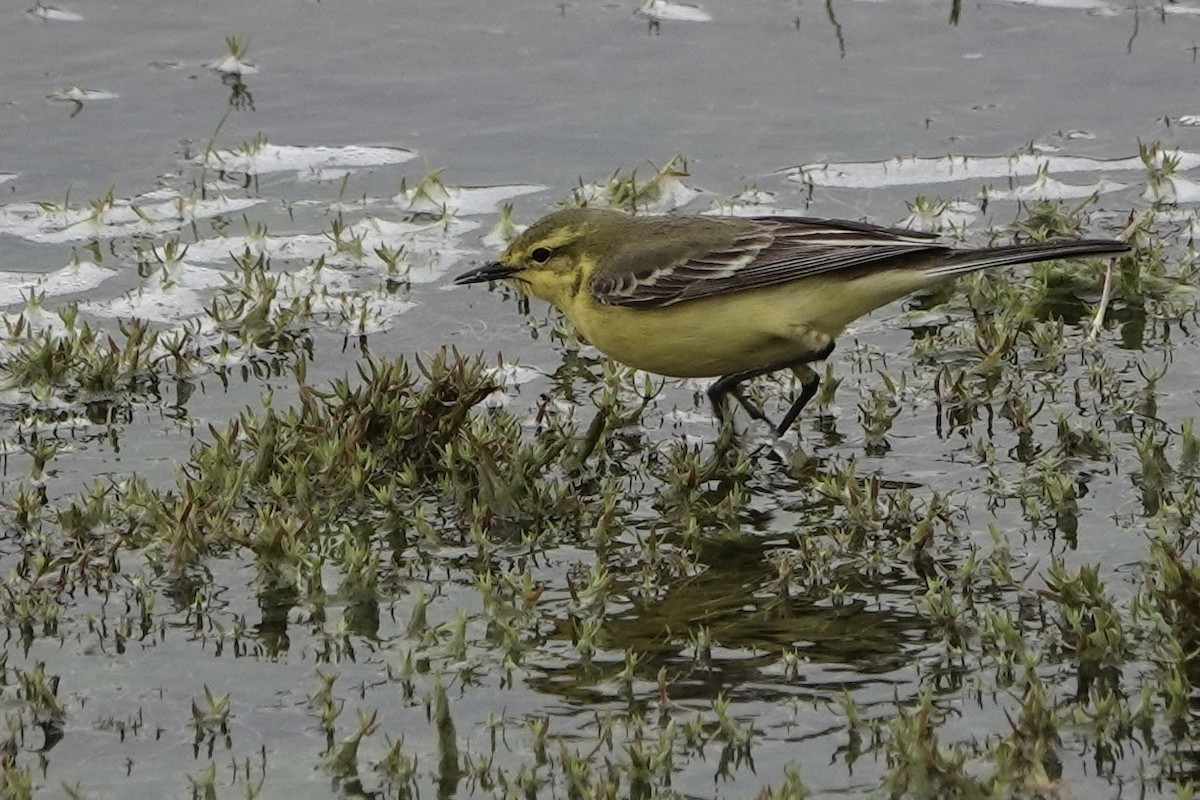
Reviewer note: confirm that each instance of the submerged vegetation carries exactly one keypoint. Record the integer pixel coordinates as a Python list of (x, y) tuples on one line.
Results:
[(413, 571)]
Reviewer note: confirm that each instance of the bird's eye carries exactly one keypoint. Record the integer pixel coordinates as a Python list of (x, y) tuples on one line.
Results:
[(541, 254)]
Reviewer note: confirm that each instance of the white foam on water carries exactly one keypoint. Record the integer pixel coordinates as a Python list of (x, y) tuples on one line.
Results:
[(940, 217), (669, 11), (432, 197), (221, 250), (1072, 5), (501, 234), (171, 295), (918, 170), (77, 94), (264, 158), (657, 196), (17, 287), (1047, 188), (427, 249), (54, 14), (48, 224), (509, 374), (1173, 189), (232, 65), (357, 313)]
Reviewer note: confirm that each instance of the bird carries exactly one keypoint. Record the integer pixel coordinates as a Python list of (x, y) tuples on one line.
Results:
[(734, 298)]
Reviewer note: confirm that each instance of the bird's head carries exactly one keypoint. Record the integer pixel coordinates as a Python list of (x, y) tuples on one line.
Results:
[(554, 256)]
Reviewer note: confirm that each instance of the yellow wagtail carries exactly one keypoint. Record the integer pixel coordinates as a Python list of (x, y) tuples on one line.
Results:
[(733, 297)]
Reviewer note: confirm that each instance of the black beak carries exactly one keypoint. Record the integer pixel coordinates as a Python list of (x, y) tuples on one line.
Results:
[(494, 271)]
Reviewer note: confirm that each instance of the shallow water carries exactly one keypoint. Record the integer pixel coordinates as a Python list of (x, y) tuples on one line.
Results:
[(852, 110)]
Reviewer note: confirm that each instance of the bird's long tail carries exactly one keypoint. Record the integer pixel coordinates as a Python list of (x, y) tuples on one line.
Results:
[(964, 261)]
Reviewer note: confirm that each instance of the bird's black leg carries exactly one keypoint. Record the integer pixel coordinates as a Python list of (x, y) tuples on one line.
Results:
[(809, 381), (731, 384), (751, 407)]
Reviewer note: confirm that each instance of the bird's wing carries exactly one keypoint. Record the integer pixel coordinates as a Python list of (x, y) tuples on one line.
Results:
[(770, 251)]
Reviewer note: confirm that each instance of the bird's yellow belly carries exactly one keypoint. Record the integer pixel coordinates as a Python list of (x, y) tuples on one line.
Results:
[(684, 354), (735, 332)]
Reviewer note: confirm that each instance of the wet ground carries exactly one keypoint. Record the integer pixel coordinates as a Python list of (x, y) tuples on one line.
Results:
[(971, 574)]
